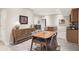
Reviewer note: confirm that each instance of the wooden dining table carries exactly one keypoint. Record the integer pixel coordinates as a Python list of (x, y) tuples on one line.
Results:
[(44, 35)]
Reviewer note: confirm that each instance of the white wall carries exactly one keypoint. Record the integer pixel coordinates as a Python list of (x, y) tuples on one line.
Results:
[(10, 18), (61, 28), (36, 19), (3, 19), (51, 20), (0, 25)]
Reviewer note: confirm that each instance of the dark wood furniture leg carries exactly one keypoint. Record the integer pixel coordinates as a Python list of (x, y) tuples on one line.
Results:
[(41, 47), (31, 45), (46, 45)]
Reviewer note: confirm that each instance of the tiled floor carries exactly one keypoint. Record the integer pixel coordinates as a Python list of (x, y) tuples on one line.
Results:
[(67, 46), (25, 46), (3, 47), (64, 44)]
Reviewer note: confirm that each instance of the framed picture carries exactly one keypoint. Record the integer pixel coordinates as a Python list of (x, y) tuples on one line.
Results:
[(23, 19)]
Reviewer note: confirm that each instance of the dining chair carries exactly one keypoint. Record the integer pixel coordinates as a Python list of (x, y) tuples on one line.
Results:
[(53, 42), (39, 41), (51, 28)]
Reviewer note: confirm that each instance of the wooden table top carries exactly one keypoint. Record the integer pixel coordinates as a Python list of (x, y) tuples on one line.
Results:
[(45, 34)]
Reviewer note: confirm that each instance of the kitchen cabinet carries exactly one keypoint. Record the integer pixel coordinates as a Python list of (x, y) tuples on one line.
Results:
[(72, 30), (78, 36), (78, 15), (72, 35), (74, 15), (70, 18)]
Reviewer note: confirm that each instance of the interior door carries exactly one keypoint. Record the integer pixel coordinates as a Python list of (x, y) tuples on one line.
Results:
[(43, 24)]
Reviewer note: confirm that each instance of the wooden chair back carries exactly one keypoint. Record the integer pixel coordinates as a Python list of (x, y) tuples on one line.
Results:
[(53, 42), (51, 28)]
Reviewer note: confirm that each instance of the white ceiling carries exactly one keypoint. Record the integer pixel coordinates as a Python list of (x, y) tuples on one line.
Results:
[(65, 11), (51, 11)]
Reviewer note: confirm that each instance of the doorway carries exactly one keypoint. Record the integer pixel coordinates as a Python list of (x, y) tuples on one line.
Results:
[(43, 24)]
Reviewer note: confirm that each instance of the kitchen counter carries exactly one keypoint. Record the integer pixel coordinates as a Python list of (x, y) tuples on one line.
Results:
[(72, 35)]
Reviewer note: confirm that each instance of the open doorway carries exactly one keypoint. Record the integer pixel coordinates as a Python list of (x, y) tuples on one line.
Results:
[(43, 24)]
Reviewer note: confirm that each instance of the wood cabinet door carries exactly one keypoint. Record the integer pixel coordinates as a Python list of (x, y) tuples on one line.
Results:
[(78, 15), (72, 36), (70, 18), (74, 15)]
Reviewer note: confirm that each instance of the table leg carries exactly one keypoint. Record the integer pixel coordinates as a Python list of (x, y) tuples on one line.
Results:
[(46, 45), (31, 45), (41, 46)]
